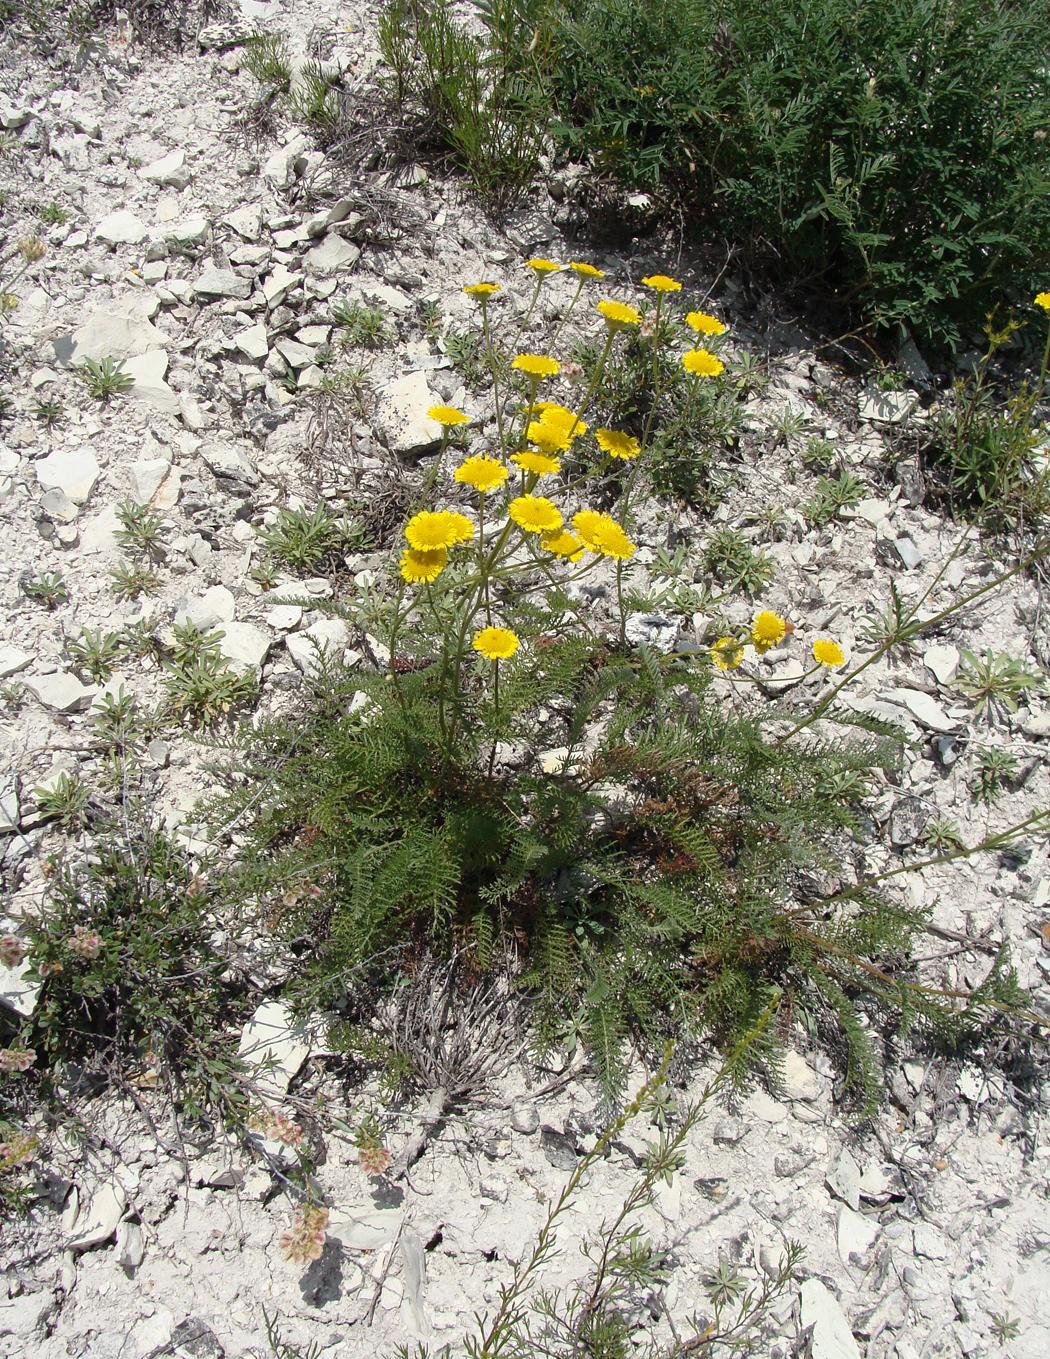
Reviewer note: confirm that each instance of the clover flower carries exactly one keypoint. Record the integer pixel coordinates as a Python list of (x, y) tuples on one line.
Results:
[(432, 529), (539, 464), (481, 472), (12, 950), (767, 630), (563, 544), (543, 266), (617, 445), (702, 363), (495, 644), (304, 1241), (603, 535), (727, 653), (662, 283), (535, 514), (827, 652), (447, 416), (619, 315), (422, 567), (704, 324), (13, 1061), (482, 290), (586, 270), (84, 943), (536, 365)]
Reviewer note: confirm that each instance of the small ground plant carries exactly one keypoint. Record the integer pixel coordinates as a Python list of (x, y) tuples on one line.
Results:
[(518, 775)]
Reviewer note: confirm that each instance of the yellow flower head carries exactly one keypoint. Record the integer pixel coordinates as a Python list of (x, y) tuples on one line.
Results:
[(586, 270), (481, 472), (535, 514), (539, 464), (727, 653), (661, 283), (560, 415), (767, 629), (482, 290), (563, 544), (702, 363), (602, 534), (1043, 300), (543, 266), (432, 530), (828, 652), (422, 567), (448, 416), (618, 315), (704, 324), (550, 439), (617, 445), (536, 365), (495, 644)]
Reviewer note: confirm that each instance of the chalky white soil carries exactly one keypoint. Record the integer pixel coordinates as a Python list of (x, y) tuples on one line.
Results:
[(209, 259)]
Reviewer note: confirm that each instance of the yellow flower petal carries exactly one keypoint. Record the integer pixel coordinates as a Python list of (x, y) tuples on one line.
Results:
[(662, 283), (827, 652), (422, 567), (536, 365), (702, 363), (495, 644), (448, 416), (619, 314), (617, 445), (535, 514), (767, 630)]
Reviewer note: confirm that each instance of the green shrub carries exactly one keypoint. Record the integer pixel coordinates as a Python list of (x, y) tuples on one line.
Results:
[(479, 100), (892, 152)]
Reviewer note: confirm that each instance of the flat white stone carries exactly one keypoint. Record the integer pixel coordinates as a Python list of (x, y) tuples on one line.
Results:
[(327, 637), (831, 1335), (245, 646), (208, 610), (365, 1228), (18, 991), (272, 1038), (222, 283), (854, 1233), (253, 341), (294, 354), (61, 691), (226, 460), (115, 332), (150, 389), (942, 662), (277, 285), (401, 418), (147, 477), (121, 228), (170, 169), (332, 256), (843, 1179), (99, 1222), (73, 471), (246, 221), (12, 660), (924, 708)]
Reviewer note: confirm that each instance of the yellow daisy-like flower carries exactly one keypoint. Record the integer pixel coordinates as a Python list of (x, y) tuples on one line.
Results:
[(602, 534), (462, 528), (448, 416), (704, 324), (702, 363), (495, 644), (618, 315), (431, 530), (560, 415), (727, 653), (550, 439), (539, 464), (481, 472), (535, 514), (543, 266), (617, 445), (586, 270), (563, 544), (481, 289), (828, 652), (536, 365), (420, 568), (662, 283), (767, 630), (1043, 300)]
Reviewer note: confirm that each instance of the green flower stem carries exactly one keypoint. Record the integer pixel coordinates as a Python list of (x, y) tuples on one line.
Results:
[(914, 630), (561, 324), (493, 369), (532, 305), (598, 374), (432, 475)]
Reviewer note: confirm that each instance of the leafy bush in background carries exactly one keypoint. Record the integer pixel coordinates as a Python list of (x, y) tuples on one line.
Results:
[(892, 153)]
